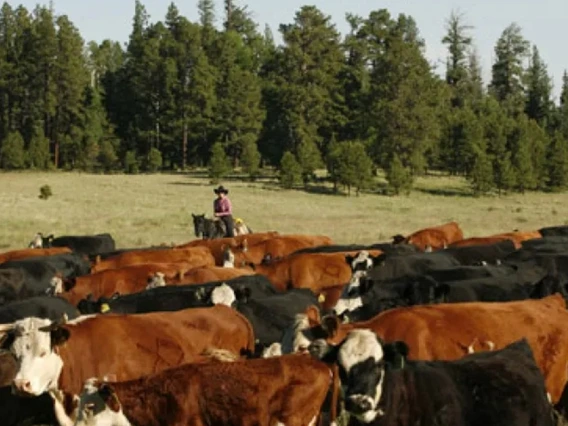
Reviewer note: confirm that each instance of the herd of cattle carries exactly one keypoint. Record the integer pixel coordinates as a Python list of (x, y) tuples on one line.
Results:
[(270, 329)]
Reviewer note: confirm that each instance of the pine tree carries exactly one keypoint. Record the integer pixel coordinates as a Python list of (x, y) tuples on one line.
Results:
[(563, 107), (539, 88), (507, 83), (309, 159), (481, 176), (504, 173), (38, 151), (154, 161), (557, 163), (12, 153), (219, 165), (107, 157), (250, 159), (398, 176), (353, 166), (290, 171)]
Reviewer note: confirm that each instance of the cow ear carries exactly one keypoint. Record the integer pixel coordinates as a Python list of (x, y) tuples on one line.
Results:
[(313, 314), (69, 283), (6, 341), (330, 324), (108, 395), (395, 354), (349, 259), (59, 336)]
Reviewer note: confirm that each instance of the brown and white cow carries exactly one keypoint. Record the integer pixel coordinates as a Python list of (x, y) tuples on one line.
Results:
[(453, 330), (288, 390), (51, 355)]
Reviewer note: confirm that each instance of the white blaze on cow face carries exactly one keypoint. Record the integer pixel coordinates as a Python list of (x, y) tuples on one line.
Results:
[(362, 258), (156, 281), (93, 410), (359, 347), (272, 351), (294, 339), (56, 286), (38, 366), (347, 305), (223, 295), (37, 242), (228, 258)]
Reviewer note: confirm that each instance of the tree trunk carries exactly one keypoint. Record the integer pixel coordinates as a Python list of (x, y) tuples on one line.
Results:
[(184, 146)]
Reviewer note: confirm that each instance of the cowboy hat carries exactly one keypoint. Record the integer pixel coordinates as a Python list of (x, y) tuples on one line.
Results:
[(221, 189)]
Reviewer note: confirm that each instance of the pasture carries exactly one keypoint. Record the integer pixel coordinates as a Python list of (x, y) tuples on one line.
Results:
[(141, 210)]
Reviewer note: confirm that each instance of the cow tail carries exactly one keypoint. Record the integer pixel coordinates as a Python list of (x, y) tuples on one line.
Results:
[(251, 337)]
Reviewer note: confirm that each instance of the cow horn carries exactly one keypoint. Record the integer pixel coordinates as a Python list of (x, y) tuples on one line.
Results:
[(6, 327)]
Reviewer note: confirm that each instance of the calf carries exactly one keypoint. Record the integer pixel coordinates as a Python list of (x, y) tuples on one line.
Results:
[(84, 244), (381, 387), (52, 355), (288, 390)]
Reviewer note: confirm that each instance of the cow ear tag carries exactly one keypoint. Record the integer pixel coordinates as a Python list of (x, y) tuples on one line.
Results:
[(105, 308), (321, 298)]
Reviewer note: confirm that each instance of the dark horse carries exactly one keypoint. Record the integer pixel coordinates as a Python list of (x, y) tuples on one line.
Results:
[(207, 228)]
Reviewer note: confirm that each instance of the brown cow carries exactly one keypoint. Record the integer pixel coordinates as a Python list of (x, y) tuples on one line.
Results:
[(288, 390), (126, 280), (277, 247), (517, 238), (323, 273), (195, 256), (27, 253), (198, 276), (450, 331), (435, 238), (51, 355), (218, 245)]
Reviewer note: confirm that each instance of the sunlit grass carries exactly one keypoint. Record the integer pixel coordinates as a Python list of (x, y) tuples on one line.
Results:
[(152, 209)]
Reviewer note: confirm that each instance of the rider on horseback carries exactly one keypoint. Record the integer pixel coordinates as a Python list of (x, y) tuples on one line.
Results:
[(223, 210)]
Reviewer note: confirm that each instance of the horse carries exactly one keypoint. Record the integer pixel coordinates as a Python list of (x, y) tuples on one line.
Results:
[(207, 228)]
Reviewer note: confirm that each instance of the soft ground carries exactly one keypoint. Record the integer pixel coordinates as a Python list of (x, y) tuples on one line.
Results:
[(142, 210)]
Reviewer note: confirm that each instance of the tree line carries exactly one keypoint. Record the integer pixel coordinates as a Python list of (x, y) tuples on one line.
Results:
[(183, 94)]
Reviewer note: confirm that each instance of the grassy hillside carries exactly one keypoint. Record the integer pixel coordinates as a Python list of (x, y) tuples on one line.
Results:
[(152, 209)]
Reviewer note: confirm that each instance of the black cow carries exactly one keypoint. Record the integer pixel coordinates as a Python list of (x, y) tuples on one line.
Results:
[(483, 253), (26, 411), (68, 265), (381, 387), (387, 248), (494, 284), (19, 284), (83, 244), (270, 316), (554, 231), (172, 298), (40, 307)]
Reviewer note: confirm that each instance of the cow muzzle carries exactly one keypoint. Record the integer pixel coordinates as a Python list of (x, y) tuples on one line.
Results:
[(359, 404), (22, 387)]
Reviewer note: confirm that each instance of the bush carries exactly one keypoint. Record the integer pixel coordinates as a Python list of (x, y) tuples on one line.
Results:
[(45, 192), (351, 166), (131, 163), (482, 174), (399, 177), (107, 156), (154, 161), (12, 154), (290, 171), (309, 159), (219, 165)]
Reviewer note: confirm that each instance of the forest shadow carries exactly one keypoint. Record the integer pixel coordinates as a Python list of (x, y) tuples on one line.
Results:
[(446, 192)]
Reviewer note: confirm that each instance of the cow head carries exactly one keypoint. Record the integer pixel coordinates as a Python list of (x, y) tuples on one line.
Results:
[(33, 342), (223, 295), (361, 361), (228, 257), (156, 280), (98, 405), (37, 241), (398, 239), (199, 224), (307, 328), (56, 286)]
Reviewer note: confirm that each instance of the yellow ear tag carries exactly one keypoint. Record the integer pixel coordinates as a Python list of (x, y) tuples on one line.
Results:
[(105, 308), (321, 298)]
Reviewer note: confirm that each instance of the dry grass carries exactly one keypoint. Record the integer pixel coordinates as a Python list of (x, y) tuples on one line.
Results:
[(152, 209)]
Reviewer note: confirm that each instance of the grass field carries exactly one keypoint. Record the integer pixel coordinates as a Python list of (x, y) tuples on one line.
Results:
[(142, 210)]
